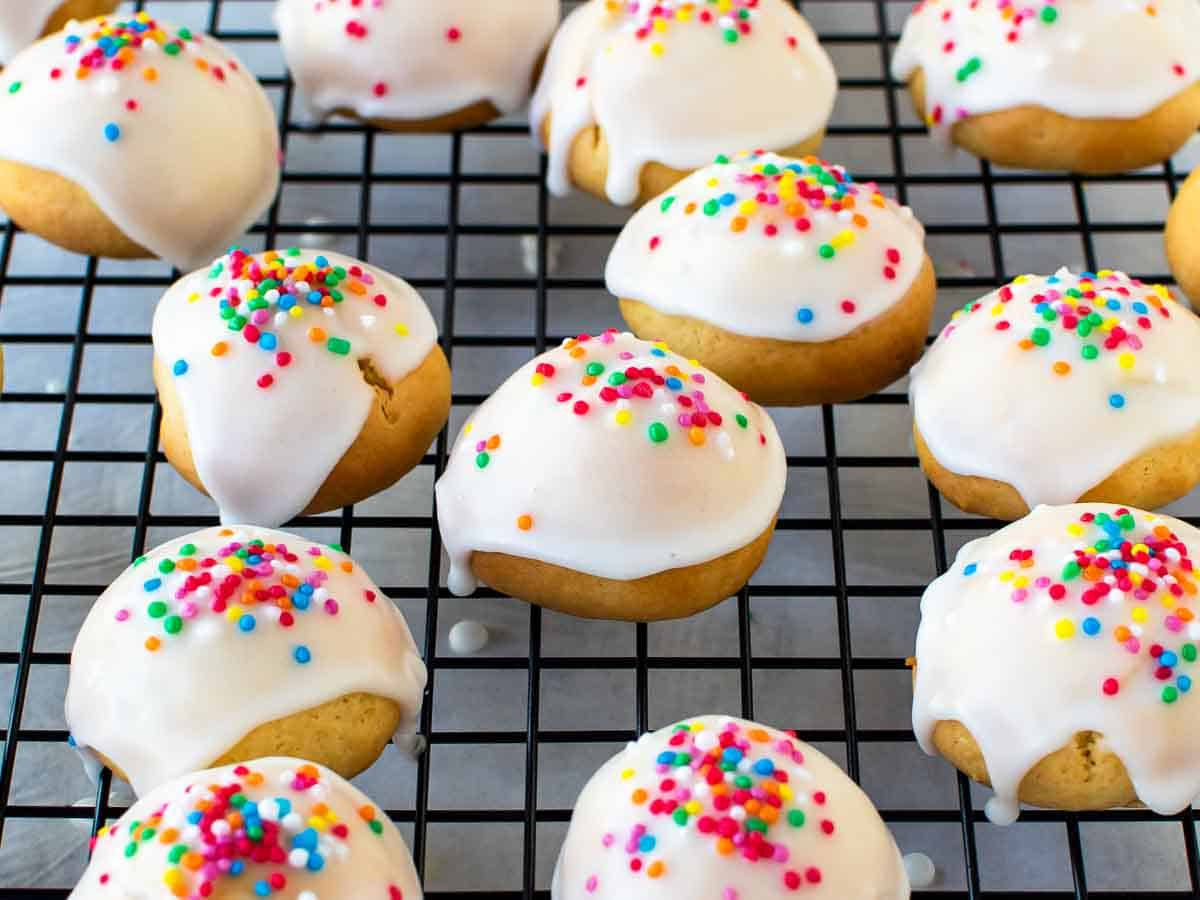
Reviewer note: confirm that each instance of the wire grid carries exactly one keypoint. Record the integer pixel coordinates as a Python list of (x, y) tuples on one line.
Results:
[(838, 527)]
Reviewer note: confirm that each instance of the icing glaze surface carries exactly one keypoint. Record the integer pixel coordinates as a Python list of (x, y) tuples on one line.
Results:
[(1075, 618), (277, 827), (679, 82), (614, 457), (1081, 58), (412, 59), (168, 133), (1052, 382), (270, 345), (213, 634), (715, 808), (771, 247), (22, 23)]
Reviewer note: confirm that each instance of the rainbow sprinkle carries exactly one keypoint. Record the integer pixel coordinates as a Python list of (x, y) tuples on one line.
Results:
[(724, 789), (218, 833), (651, 22), (245, 583), (1121, 579)]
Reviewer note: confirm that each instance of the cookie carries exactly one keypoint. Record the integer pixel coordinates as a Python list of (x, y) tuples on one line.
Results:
[(1183, 231), (783, 276), (1055, 662), (409, 65), (23, 23), (611, 478), (274, 827), (1048, 87), (1061, 388), (132, 138), (258, 351), (634, 96), (232, 643), (725, 808)]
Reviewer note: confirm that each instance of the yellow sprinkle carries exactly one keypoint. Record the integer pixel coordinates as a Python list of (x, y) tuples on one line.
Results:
[(748, 207), (233, 613), (1064, 629), (193, 297), (660, 25), (623, 417), (693, 807), (322, 562), (401, 329), (468, 428), (842, 239), (235, 564), (1138, 614), (998, 309), (627, 774), (1020, 581), (1006, 576), (785, 792), (657, 49), (1140, 548), (295, 312), (317, 823), (537, 379), (1075, 530)]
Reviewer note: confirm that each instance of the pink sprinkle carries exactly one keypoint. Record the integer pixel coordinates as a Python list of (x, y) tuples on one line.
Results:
[(607, 840), (591, 884), (122, 615), (1020, 595), (331, 606)]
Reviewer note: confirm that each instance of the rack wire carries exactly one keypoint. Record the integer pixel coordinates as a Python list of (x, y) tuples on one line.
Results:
[(980, 866)]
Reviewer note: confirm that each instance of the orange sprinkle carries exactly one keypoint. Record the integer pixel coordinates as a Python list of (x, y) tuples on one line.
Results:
[(327, 302), (1121, 633), (639, 797), (192, 860), (655, 869), (587, 380), (1093, 573), (696, 435), (525, 522), (570, 342), (689, 209), (1026, 344), (493, 443), (226, 532), (1062, 368), (153, 643), (577, 352), (724, 846), (320, 809), (1162, 532), (878, 200), (1186, 614), (290, 581), (752, 806), (347, 566), (738, 224), (219, 348), (309, 771), (769, 814), (366, 813), (254, 779), (202, 65), (860, 221), (316, 335), (168, 835), (759, 736)]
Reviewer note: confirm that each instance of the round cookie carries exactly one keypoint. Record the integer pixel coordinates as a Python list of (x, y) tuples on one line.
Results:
[(1055, 662), (232, 643), (636, 95), (131, 138), (273, 827), (1048, 87), (1061, 388), (611, 478), (728, 809), (258, 351), (783, 276), (24, 22), (1182, 234), (411, 65)]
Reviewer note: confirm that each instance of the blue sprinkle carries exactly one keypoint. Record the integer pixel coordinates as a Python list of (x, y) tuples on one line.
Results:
[(237, 867), (674, 383), (971, 569), (733, 755), (1041, 307), (262, 889), (153, 584), (1053, 279), (1116, 401), (1087, 276), (302, 655), (180, 367), (1091, 626), (321, 262), (1168, 659), (666, 758), (254, 560), (1184, 683), (283, 805), (1119, 563), (764, 767), (314, 297), (71, 741), (657, 352), (804, 315), (287, 301), (301, 601), (728, 199), (306, 588), (267, 341), (316, 862), (1140, 307), (306, 840), (1113, 304), (112, 132), (195, 818), (247, 623), (647, 843)]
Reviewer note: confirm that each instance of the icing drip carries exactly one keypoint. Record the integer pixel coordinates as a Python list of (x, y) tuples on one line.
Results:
[(1025, 378), (271, 828), (1076, 618), (22, 23), (614, 457), (724, 808), (678, 82), (290, 624), (981, 56), (107, 103), (412, 59), (271, 345), (771, 247)]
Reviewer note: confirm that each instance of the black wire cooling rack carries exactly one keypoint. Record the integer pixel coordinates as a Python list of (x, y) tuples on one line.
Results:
[(826, 468)]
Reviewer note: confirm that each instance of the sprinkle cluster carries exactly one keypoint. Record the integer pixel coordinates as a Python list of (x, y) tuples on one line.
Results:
[(1077, 319), (245, 583), (138, 44), (1123, 581), (258, 297), (1009, 20), (725, 789), (761, 193), (217, 833), (652, 20)]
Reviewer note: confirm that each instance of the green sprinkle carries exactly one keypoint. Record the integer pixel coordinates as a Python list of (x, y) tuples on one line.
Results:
[(1170, 694), (187, 550), (237, 323), (1049, 15), (1040, 336), (1126, 522), (173, 624), (237, 801), (177, 853), (156, 610), (254, 832), (796, 818), (1089, 351), (1188, 652), (130, 849), (147, 834), (14, 87), (139, 561), (616, 378), (722, 159), (595, 368), (971, 66), (337, 547), (658, 432), (680, 816), (1049, 315), (753, 824), (731, 36), (337, 345), (483, 459), (667, 203), (376, 826), (826, 251), (1070, 570), (712, 207), (185, 33), (172, 49), (741, 420), (683, 759)]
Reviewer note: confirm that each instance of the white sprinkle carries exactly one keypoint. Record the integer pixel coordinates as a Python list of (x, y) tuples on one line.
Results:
[(738, 812), (920, 869), (468, 636), (292, 822), (298, 858), (368, 322), (306, 895)]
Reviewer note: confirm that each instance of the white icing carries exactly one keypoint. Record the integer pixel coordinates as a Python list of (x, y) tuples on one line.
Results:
[(986, 406), (160, 713), (840, 849), (317, 401), (989, 655), (602, 497), (1097, 58), (920, 870), (468, 636), (22, 22), (331, 850), (412, 59), (743, 249), (195, 162), (680, 93)]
